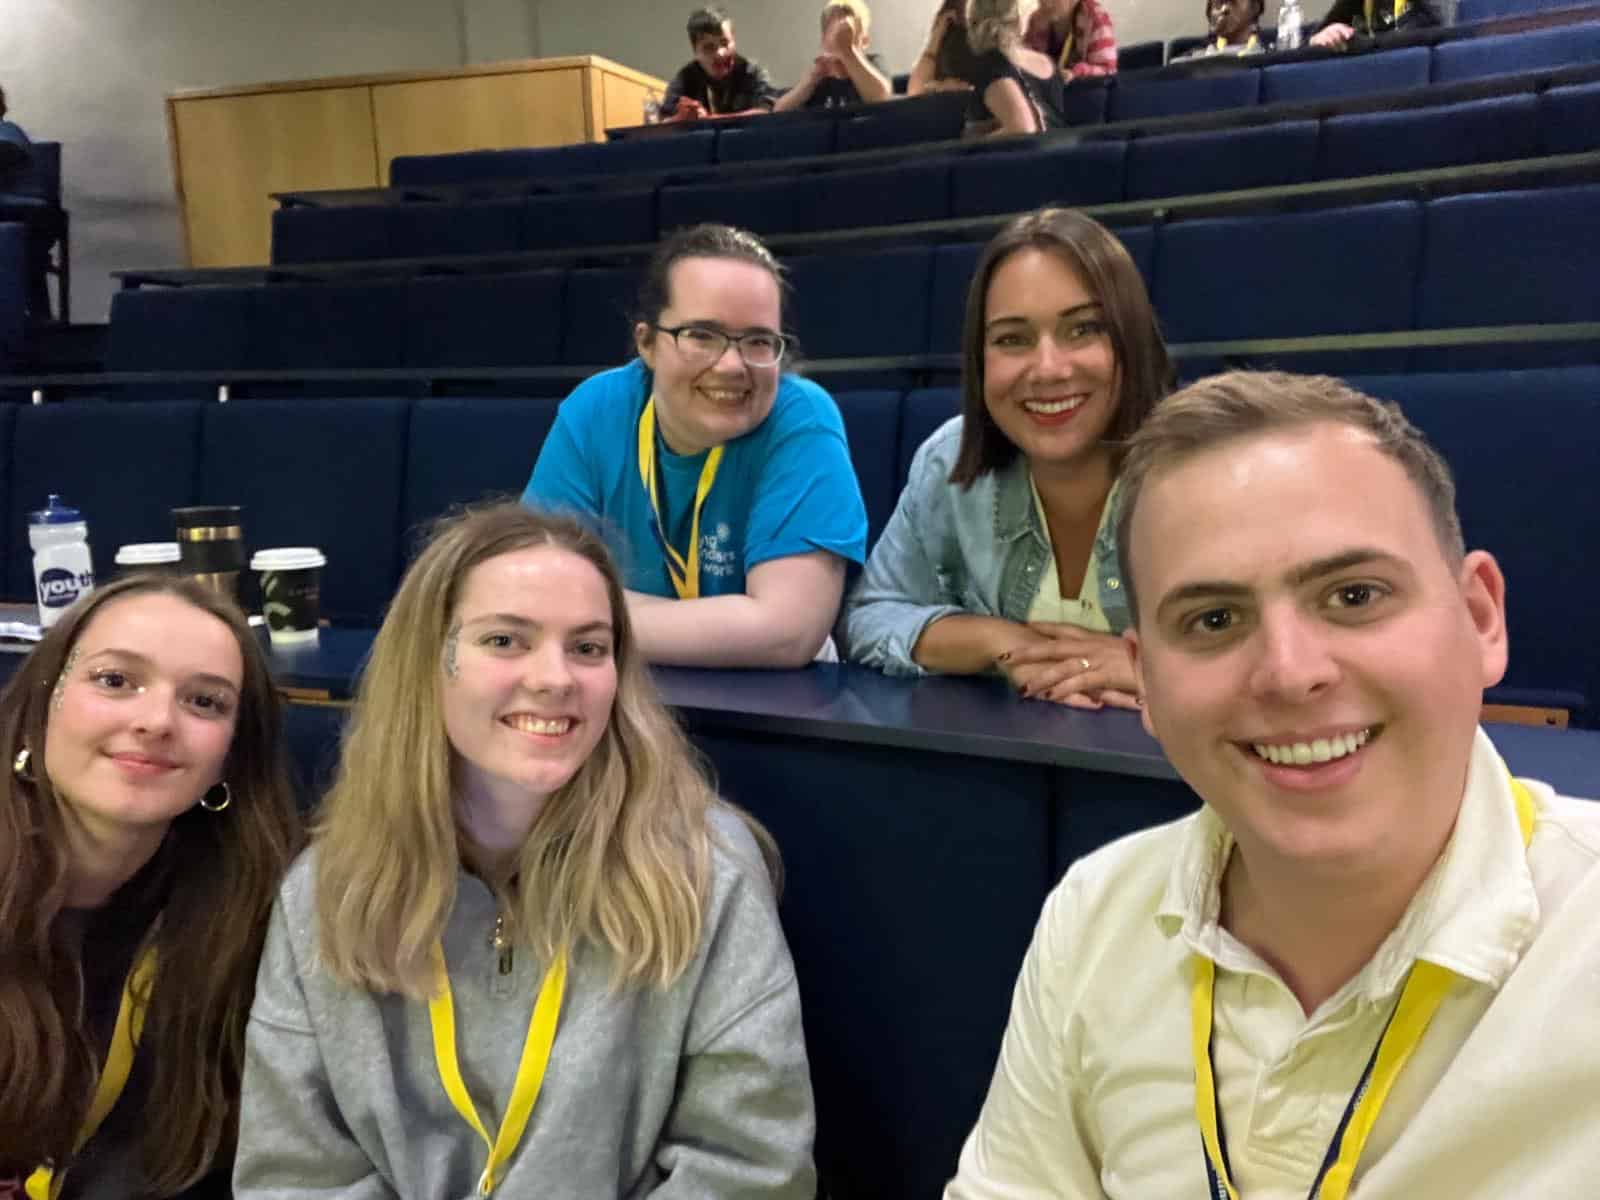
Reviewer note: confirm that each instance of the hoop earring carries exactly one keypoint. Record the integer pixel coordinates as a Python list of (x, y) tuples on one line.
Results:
[(21, 763), (210, 804)]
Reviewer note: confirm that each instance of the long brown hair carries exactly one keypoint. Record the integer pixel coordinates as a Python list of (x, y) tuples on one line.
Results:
[(1114, 282), (619, 857), (224, 869)]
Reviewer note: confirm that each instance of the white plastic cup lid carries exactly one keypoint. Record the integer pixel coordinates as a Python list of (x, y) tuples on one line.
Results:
[(147, 554), (287, 558)]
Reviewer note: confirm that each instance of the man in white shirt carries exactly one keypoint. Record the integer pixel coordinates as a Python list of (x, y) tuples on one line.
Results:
[(1369, 966)]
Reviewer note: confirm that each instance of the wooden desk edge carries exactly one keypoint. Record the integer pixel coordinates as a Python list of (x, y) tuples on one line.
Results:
[(516, 66)]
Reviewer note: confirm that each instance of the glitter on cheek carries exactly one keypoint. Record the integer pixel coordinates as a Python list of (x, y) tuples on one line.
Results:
[(452, 641), (59, 695)]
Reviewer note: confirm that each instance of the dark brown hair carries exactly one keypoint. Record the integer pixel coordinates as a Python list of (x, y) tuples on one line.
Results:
[(221, 872), (1113, 281), (1240, 404), (708, 240), (705, 22)]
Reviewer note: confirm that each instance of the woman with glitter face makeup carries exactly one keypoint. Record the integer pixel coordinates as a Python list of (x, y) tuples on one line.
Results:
[(147, 821), (1001, 554), (529, 951)]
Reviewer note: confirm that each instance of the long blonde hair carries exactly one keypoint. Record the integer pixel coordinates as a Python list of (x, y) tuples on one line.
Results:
[(620, 857)]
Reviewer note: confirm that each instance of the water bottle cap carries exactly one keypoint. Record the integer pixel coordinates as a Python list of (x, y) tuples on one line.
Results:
[(55, 513)]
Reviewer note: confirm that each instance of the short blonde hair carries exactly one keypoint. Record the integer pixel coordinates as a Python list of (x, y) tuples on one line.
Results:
[(1240, 404), (851, 8), (997, 24)]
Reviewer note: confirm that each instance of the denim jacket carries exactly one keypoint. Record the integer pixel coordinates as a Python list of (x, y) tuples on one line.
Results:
[(951, 550)]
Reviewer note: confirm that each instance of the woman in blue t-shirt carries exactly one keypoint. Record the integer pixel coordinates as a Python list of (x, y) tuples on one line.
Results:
[(723, 486)]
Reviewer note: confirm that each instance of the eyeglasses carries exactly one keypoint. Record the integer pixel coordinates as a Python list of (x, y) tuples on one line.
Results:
[(702, 345)]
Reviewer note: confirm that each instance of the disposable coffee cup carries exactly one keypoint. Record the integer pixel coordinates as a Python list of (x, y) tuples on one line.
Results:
[(160, 558), (291, 592)]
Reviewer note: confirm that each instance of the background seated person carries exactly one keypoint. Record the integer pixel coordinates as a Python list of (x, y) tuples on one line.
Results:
[(724, 485), (1076, 35), (1369, 928), (533, 888), (1232, 27), (1019, 89), (719, 81), (946, 60), (844, 72), (1347, 18), (1000, 555), (15, 147), (146, 819)]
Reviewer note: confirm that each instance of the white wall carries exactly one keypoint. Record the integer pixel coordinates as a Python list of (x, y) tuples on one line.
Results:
[(93, 74)]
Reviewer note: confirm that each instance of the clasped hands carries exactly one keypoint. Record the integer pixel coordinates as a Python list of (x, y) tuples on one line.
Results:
[(1070, 665)]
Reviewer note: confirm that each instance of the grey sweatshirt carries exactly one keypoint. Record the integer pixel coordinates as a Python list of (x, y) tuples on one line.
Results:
[(697, 1091)]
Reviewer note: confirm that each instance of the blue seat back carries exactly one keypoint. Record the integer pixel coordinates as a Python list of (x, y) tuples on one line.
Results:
[(1222, 160), (1072, 176), (1495, 130), (1139, 56), (677, 148), (312, 473), (1473, 58), (947, 299), (582, 218), (858, 199), (596, 329), (485, 320), (923, 411), (1359, 75), (872, 425), (125, 466), (862, 305), (40, 177), (323, 326), (1177, 97), (775, 139), (467, 450), (443, 230), (764, 206), (180, 329), (339, 233), (13, 289), (938, 116), (1569, 119)]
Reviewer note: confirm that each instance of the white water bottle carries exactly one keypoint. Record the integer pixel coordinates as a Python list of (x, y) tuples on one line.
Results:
[(1290, 25), (63, 569)]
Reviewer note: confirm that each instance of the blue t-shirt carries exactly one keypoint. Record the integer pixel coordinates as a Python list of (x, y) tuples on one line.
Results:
[(786, 487)]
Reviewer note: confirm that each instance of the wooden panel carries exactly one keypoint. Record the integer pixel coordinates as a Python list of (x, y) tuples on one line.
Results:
[(623, 102), (233, 152), (482, 112), (1525, 714)]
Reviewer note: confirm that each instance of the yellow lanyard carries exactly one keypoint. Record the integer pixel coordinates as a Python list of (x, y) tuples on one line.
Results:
[(685, 573), (1066, 50), (1222, 43), (1371, 7), (530, 1072), (1425, 988), (45, 1182)]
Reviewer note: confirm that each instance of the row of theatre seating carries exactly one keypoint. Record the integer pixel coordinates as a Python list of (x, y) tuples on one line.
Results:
[(359, 475), (1561, 120), (1229, 84), (13, 290), (1487, 259)]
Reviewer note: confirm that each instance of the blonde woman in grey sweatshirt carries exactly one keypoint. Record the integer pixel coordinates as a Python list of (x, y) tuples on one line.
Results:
[(529, 953)]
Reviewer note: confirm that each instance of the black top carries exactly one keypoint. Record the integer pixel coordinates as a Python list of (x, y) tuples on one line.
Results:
[(1418, 14), (837, 93), (1048, 94), (746, 86)]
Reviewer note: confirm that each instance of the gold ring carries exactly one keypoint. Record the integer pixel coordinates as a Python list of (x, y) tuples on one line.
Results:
[(1084, 662)]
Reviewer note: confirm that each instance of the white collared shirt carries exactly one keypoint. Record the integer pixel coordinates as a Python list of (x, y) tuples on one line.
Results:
[(1094, 1091)]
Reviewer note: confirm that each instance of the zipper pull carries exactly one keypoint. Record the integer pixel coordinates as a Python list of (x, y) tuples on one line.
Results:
[(501, 944)]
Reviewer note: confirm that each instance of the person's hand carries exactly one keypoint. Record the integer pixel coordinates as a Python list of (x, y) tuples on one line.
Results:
[(1333, 37), (823, 66), (947, 85), (688, 110), (841, 38), (941, 26), (1074, 666)]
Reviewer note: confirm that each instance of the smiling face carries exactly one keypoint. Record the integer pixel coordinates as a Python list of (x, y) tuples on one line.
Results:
[(715, 51), (529, 673), (1311, 660), (701, 403), (1050, 378), (144, 715)]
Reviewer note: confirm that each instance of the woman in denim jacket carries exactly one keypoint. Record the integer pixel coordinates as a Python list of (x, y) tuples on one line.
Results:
[(1001, 553)]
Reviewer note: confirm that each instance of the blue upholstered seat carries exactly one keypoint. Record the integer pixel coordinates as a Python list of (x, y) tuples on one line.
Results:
[(511, 320), (862, 305), (761, 205), (775, 139), (872, 425), (584, 218), (337, 233), (1073, 176), (596, 325), (1494, 130), (1569, 119), (179, 329), (315, 474), (1221, 160), (124, 466), (1472, 58), (443, 230), (1238, 88), (923, 411), (1361, 74)]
